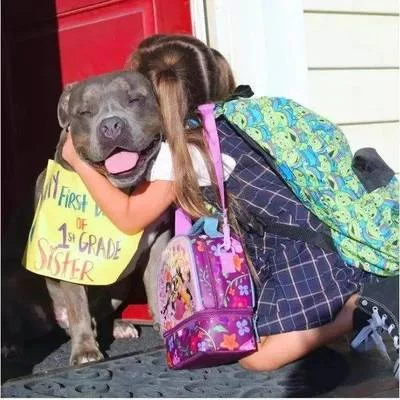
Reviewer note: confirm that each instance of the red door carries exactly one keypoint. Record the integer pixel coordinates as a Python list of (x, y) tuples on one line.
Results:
[(48, 43)]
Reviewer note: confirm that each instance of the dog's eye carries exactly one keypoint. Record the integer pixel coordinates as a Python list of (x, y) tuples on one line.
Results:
[(133, 100), (84, 113)]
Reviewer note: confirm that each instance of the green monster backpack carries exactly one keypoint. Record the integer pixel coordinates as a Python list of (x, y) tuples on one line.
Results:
[(314, 159)]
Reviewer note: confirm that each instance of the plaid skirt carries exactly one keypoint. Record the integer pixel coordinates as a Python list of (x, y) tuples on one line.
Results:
[(301, 286)]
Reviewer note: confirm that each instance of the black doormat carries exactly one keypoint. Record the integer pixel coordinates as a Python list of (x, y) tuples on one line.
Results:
[(147, 375)]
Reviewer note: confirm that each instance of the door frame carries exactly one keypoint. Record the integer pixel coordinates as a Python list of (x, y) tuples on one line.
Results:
[(264, 42)]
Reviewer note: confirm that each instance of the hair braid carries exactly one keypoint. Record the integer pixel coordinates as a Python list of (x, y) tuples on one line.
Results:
[(184, 73)]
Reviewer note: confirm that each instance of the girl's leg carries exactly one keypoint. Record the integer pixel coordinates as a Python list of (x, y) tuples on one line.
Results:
[(278, 350)]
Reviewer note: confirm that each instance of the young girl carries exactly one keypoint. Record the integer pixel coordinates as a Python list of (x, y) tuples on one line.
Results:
[(307, 294)]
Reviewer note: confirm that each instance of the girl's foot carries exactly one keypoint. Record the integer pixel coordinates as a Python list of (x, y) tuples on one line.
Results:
[(376, 316)]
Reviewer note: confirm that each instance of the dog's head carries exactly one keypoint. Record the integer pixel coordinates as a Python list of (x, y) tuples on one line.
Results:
[(115, 125)]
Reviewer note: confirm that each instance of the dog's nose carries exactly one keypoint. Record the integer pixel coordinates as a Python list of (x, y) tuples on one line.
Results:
[(111, 127)]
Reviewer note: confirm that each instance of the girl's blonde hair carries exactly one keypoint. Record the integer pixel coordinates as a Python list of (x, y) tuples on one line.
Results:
[(184, 73)]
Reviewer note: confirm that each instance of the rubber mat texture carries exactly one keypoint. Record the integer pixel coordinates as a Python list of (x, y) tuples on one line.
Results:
[(137, 368), (146, 375)]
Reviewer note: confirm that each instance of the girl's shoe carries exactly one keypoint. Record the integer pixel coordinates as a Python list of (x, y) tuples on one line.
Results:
[(377, 316)]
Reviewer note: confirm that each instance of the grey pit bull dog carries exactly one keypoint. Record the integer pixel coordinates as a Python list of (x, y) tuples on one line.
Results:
[(115, 126)]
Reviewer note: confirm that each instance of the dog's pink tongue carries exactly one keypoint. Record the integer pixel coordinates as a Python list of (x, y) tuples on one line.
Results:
[(121, 162)]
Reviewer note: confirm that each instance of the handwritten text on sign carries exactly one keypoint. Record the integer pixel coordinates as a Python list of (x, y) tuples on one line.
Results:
[(71, 239)]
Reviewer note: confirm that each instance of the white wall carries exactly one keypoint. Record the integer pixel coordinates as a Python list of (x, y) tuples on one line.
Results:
[(352, 53), (264, 42), (338, 57)]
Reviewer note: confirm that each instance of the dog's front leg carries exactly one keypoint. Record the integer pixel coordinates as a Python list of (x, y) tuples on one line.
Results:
[(84, 347), (151, 272)]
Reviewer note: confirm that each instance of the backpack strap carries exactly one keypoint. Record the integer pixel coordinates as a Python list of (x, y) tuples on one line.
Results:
[(371, 169), (254, 224), (211, 137), (182, 220), (241, 91)]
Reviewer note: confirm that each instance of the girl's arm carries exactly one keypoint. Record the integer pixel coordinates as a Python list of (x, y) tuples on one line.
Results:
[(129, 213)]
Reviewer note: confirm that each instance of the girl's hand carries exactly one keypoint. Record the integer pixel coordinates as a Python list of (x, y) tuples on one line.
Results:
[(69, 153)]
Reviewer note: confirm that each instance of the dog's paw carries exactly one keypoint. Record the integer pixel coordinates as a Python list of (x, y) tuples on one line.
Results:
[(124, 330), (157, 326), (85, 355)]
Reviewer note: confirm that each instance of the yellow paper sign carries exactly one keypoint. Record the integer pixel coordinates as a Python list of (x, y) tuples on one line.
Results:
[(71, 239)]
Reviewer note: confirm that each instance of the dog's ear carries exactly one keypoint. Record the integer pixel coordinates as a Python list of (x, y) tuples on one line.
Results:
[(58, 154), (62, 109)]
